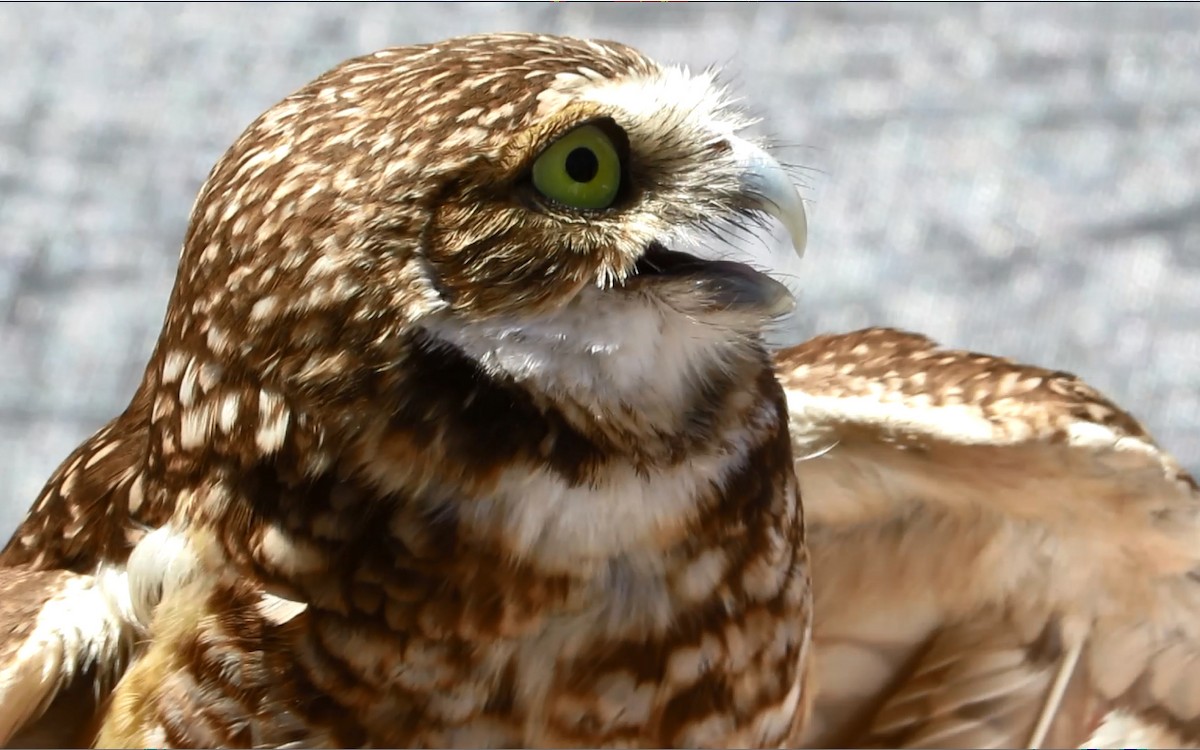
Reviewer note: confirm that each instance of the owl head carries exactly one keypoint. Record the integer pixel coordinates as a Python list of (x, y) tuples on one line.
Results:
[(519, 197)]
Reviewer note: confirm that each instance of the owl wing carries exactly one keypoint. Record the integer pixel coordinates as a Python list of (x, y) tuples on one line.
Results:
[(68, 619), (1001, 556), (56, 626)]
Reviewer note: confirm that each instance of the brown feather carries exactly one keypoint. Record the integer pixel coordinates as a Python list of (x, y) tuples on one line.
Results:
[(366, 528), (962, 507)]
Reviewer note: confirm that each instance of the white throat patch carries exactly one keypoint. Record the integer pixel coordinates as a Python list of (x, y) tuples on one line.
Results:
[(601, 349)]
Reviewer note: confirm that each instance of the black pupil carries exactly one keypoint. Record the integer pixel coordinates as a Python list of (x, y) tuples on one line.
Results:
[(582, 164)]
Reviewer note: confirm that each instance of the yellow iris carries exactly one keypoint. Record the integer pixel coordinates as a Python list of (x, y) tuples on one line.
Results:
[(580, 170)]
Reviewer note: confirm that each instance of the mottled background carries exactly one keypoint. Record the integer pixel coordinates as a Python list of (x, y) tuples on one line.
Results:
[(1022, 179)]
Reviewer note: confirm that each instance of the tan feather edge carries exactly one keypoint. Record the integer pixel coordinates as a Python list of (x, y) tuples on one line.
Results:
[(893, 405)]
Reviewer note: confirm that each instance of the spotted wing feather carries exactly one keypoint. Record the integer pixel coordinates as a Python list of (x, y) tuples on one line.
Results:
[(62, 634), (1002, 557), (67, 623)]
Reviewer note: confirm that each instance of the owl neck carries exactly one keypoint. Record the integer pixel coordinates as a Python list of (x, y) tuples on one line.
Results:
[(466, 514), (458, 466), (477, 525)]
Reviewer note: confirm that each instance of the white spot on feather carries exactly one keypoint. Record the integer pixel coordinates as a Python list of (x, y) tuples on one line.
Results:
[(229, 412), (263, 309), (273, 418), (195, 426), (187, 385), (136, 493), (216, 339), (289, 554), (99, 453), (702, 575), (173, 365)]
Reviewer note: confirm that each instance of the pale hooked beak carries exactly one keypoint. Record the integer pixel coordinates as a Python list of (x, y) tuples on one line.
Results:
[(719, 284), (770, 190)]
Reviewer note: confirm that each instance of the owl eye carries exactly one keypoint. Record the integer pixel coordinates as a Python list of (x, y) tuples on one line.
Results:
[(582, 169)]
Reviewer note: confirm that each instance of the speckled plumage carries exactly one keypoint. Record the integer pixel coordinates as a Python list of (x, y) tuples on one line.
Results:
[(423, 459), (1002, 557), (429, 460)]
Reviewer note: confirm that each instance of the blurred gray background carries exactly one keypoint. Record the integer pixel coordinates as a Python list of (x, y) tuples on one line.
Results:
[(1021, 179)]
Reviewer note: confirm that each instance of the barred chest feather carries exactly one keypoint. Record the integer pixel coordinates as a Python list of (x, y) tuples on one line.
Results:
[(502, 568)]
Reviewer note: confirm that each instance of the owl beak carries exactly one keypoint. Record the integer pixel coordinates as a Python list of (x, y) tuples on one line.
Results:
[(763, 185), (769, 189)]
